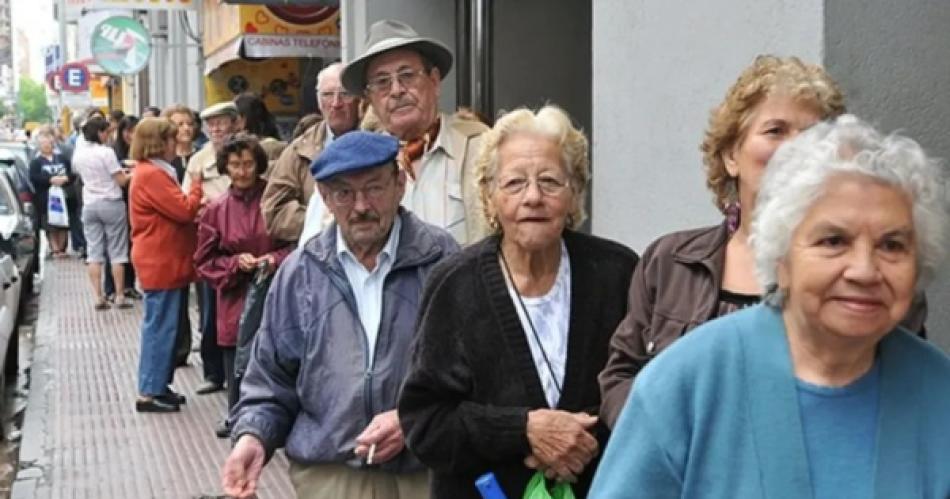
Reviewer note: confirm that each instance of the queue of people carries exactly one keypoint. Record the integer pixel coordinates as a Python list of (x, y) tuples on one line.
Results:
[(437, 323), (779, 353)]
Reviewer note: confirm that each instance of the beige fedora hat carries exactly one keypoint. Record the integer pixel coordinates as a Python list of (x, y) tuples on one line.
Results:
[(387, 35)]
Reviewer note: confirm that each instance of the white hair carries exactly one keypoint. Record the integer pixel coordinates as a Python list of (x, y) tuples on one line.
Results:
[(552, 123), (336, 67), (800, 170)]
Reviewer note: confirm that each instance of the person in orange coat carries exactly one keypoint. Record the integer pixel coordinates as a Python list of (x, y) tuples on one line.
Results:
[(163, 242)]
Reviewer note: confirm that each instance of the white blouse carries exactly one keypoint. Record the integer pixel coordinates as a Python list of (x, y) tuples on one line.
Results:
[(551, 316)]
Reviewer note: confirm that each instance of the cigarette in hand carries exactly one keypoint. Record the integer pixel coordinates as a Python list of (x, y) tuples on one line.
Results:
[(369, 456)]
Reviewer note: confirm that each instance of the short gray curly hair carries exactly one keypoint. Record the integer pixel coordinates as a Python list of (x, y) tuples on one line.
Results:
[(799, 172), (550, 122)]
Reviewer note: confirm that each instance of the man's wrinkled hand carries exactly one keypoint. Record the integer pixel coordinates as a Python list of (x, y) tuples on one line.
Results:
[(243, 468), (385, 433)]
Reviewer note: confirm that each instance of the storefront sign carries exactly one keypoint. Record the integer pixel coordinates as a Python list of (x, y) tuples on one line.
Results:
[(270, 31), (121, 45), (75, 77), (76, 8), (259, 46)]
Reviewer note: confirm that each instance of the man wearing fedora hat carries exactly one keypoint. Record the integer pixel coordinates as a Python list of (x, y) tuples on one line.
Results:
[(400, 73), (333, 347)]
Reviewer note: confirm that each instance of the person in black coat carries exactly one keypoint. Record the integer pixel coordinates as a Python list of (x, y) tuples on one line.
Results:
[(514, 329)]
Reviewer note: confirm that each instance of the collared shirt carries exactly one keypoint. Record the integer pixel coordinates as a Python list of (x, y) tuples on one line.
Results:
[(330, 137), (367, 285), (435, 195), (551, 317)]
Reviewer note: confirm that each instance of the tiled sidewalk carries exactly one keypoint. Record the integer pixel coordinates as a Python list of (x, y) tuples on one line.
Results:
[(82, 437)]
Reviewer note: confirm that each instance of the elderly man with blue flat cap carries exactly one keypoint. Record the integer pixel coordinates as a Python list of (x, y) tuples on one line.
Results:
[(333, 347)]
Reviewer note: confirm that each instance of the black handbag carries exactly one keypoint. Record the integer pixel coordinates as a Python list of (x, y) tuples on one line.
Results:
[(251, 318)]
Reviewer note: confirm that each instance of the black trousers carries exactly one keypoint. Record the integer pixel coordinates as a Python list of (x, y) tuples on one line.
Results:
[(211, 354), (234, 386)]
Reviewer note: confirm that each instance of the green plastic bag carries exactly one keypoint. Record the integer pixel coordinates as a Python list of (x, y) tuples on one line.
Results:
[(538, 489)]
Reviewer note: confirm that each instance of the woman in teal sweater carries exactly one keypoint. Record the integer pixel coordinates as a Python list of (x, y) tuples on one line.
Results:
[(818, 392)]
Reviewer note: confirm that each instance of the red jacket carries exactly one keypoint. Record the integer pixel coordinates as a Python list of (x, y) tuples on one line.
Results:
[(231, 225), (163, 229)]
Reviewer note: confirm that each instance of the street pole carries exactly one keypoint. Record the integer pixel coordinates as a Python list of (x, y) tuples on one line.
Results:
[(61, 6)]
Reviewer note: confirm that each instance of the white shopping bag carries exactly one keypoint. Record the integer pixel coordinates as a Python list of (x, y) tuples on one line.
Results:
[(56, 215)]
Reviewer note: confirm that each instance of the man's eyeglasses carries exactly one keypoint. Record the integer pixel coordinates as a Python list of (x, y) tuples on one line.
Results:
[(346, 196), (549, 185), (383, 84), (343, 95)]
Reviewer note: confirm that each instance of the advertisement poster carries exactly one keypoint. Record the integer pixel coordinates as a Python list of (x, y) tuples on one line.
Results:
[(276, 80)]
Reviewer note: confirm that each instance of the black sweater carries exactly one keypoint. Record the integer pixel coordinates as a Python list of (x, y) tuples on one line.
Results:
[(473, 380)]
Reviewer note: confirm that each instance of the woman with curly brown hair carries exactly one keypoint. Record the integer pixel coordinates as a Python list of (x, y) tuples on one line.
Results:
[(690, 277)]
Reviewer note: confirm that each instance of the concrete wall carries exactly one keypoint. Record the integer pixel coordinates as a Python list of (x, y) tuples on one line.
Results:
[(659, 66), (431, 18), (893, 62), (542, 54)]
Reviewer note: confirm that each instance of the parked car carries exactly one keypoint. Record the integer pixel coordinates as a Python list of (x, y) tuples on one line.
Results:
[(18, 237), (16, 162), (15, 159), (10, 301)]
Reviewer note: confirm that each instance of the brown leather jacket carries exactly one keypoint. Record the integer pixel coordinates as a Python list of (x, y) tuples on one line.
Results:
[(289, 186), (674, 289)]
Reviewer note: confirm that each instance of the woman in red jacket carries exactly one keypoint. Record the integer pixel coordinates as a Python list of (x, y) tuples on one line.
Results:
[(233, 242), (163, 242)]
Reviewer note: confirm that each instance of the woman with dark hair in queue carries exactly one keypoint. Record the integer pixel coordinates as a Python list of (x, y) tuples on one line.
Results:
[(232, 244), (125, 127), (259, 121), (163, 232), (104, 216), (123, 136)]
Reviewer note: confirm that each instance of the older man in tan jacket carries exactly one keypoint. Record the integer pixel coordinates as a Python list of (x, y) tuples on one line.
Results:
[(400, 73), (290, 185)]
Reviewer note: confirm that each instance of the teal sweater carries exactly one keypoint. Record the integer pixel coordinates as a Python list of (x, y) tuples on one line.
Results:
[(716, 415)]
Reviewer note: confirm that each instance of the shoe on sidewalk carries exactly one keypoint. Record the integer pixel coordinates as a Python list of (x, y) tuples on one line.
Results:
[(209, 387), (172, 397), (155, 404), (223, 430)]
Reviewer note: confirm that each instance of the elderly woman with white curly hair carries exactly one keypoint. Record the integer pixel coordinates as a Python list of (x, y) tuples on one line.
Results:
[(818, 392), (514, 329)]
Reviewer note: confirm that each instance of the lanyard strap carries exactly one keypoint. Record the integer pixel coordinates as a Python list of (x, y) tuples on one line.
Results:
[(534, 332)]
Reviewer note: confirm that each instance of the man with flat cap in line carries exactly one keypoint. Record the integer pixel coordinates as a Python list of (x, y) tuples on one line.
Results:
[(333, 347), (400, 74), (222, 122), (290, 185)]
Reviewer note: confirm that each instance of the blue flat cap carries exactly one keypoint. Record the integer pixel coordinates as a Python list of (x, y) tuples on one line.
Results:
[(352, 152)]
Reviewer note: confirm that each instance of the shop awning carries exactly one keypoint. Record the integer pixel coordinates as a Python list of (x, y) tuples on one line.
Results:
[(266, 46)]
